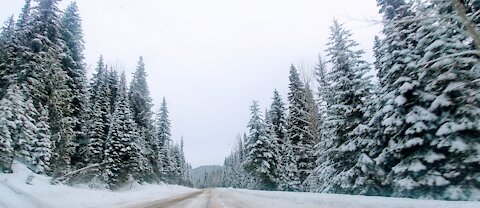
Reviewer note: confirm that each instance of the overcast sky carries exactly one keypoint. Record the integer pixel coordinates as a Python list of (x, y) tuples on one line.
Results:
[(211, 58)]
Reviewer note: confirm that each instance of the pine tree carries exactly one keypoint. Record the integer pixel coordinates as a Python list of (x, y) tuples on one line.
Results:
[(38, 51), (377, 53), (6, 148), (139, 96), (121, 150), (290, 177), (320, 74), (97, 79), (163, 135), (313, 130), (141, 104), (41, 145), (99, 118), (113, 83), (74, 66), (234, 174), (278, 117), (25, 15), (6, 38), (16, 48), (168, 164), (397, 82), (298, 127), (178, 164), (346, 109), (8, 46), (7, 127), (19, 126), (277, 122), (434, 155), (260, 155)]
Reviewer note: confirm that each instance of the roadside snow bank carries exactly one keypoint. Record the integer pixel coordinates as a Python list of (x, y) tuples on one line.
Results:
[(317, 200), (15, 192)]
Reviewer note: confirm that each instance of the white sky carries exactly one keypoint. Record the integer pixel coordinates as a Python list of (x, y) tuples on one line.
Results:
[(211, 58)]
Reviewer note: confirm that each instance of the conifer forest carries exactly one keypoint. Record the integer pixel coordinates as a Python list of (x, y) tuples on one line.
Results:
[(411, 129)]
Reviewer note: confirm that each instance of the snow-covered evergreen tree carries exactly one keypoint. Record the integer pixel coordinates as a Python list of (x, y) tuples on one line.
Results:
[(7, 128), (395, 61), (434, 156), (41, 145), (260, 155), (338, 150), (73, 64), (377, 53), (97, 79), (163, 135), (99, 118), (277, 114), (40, 76), (25, 15), (277, 132), (141, 104), (298, 128), (6, 38), (19, 124), (455, 83), (113, 84), (234, 174), (121, 149), (290, 176)]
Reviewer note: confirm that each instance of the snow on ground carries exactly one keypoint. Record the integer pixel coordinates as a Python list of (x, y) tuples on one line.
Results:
[(316, 200), (14, 192)]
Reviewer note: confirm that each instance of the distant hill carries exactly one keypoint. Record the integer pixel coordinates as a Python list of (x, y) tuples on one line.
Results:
[(207, 176)]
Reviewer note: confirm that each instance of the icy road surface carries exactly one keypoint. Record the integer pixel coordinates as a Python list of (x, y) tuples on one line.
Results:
[(237, 198)]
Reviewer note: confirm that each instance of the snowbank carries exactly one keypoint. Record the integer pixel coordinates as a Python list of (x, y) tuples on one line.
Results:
[(15, 192), (317, 200)]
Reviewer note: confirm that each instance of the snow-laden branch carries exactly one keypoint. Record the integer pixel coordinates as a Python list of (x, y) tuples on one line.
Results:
[(469, 52), (61, 178), (304, 131)]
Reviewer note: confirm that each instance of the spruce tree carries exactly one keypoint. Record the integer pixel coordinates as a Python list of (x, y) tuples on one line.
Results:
[(97, 79), (19, 126), (25, 15), (290, 177), (346, 108), (397, 81), (435, 157), (37, 56), (73, 64), (121, 150), (260, 158), (277, 128), (6, 37), (99, 119), (7, 128), (113, 83), (163, 135), (141, 104), (298, 127), (41, 145)]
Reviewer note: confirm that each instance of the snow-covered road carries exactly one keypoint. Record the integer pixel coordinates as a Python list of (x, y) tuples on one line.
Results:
[(235, 198)]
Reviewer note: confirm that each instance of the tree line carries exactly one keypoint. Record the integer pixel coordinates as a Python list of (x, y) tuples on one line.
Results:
[(414, 133), (57, 122)]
